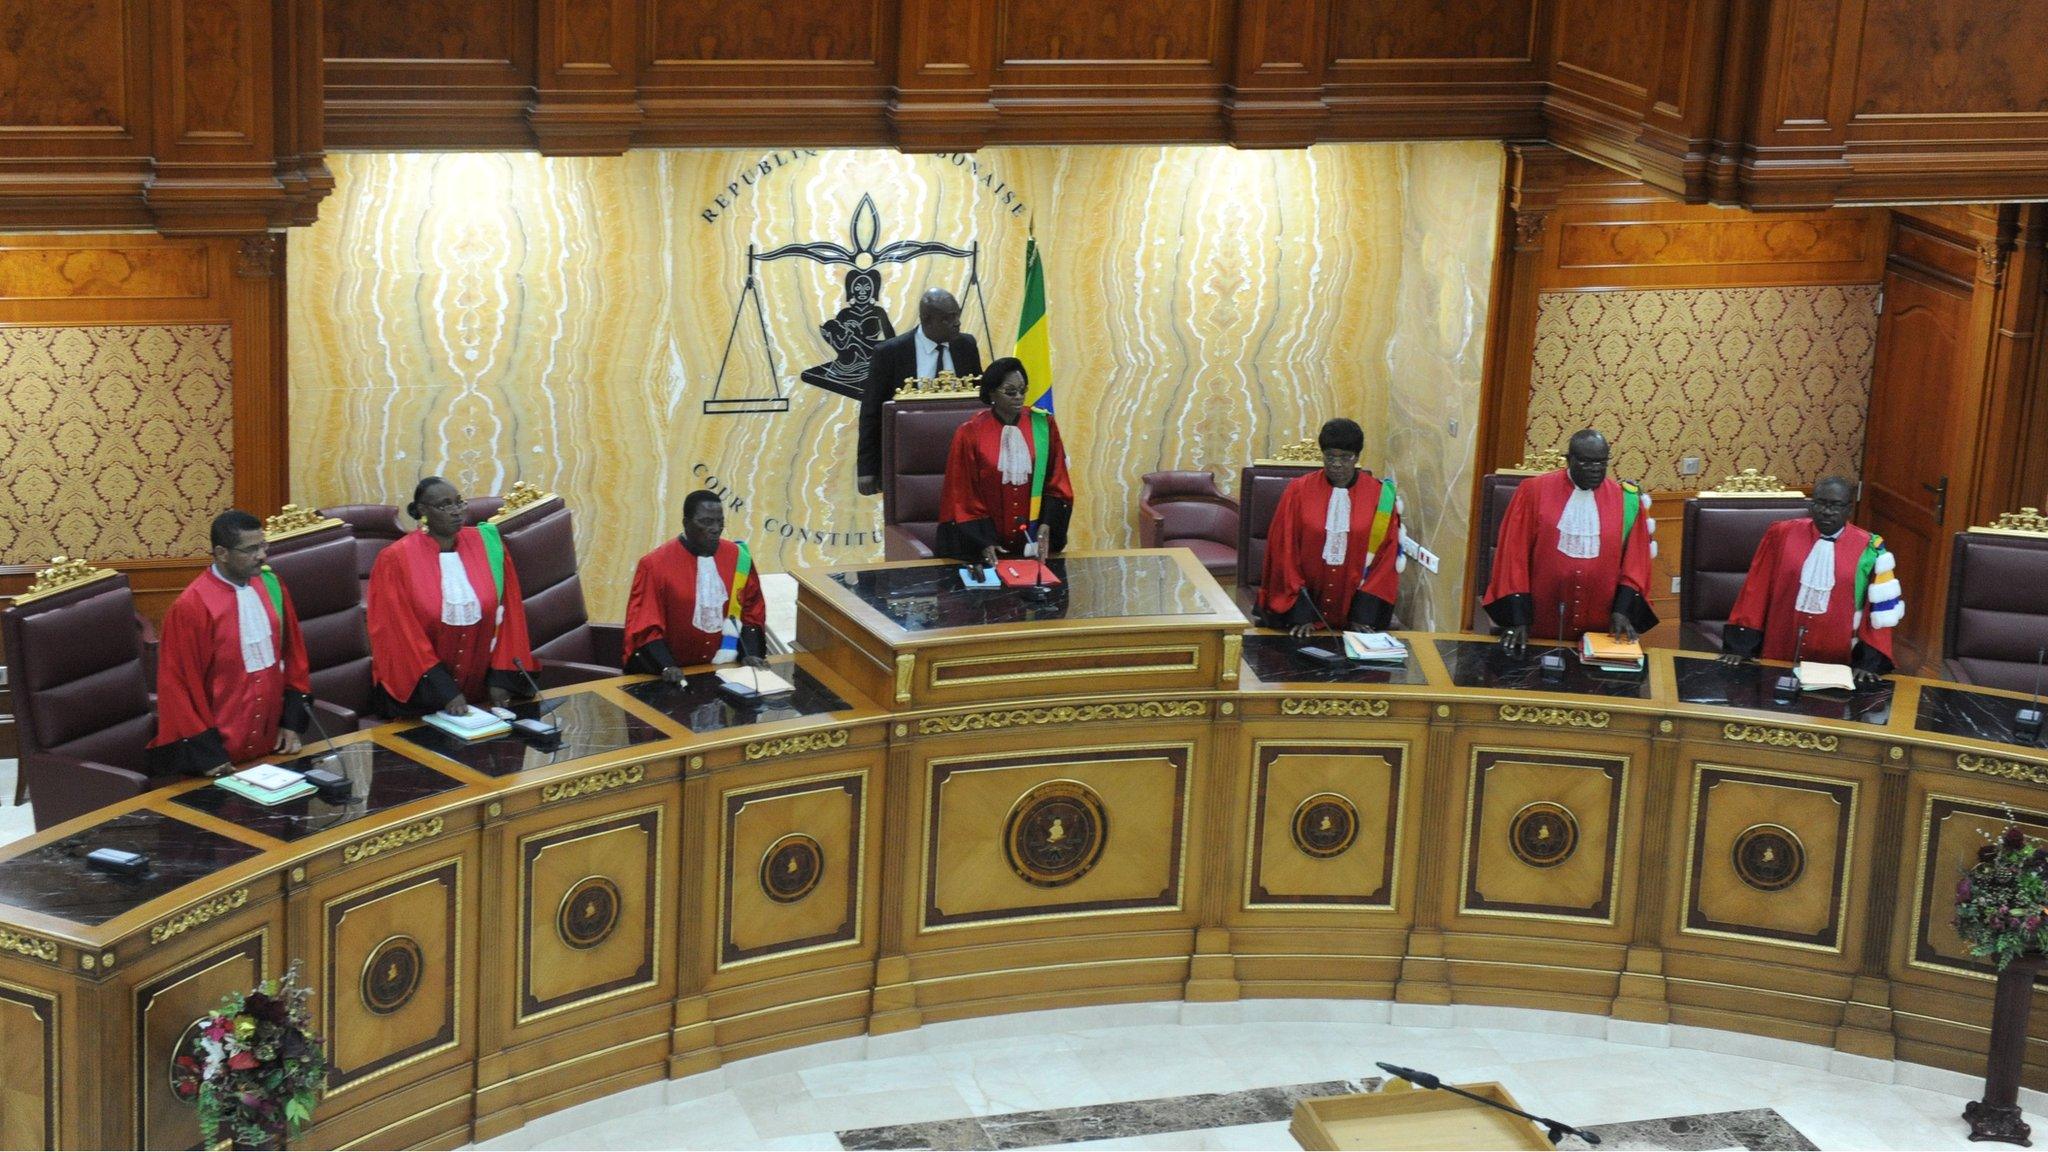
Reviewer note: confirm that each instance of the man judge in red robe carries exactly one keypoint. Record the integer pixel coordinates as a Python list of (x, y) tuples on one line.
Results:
[(1006, 489), (1576, 541), (1819, 589), (696, 599), (231, 678), (447, 625), (1333, 552)]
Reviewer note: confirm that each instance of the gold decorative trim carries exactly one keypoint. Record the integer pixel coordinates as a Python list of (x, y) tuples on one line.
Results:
[(1233, 651), (945, 674), (1554, 717), (2005, 769), (594, 782), (2025, 522), (62, 575), (193, 917), (944, 386), (794, 745), (34, 947), (1536, 463), (906, 664), (292, 520), (521, 499), (1750, 482), (1331, 706), (1061, 714), (1301, 452), (396, 838), (1778, 737)]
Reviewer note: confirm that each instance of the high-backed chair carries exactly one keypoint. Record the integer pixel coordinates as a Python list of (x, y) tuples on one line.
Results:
[(1997, 618), (1723, 527), (81, 696), (540, 543), (314, 558), (1184, 510), (1495, 490), (478, 509), (917, 433), (375, 528), (1259, 487)]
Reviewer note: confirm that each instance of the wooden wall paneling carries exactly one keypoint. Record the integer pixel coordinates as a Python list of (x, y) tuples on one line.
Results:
[(74, 114), (945, 72), (1405, 71), (753, 74), (408, 74), (2012, 425), (584, 98), (1276, 94), (1150, 71)]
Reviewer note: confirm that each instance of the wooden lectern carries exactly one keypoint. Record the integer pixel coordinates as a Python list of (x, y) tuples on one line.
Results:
[(1398, 1116)]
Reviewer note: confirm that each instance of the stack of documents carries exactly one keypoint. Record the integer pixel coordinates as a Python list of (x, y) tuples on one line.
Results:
[(266, 784), (1610, 655), (475, 724), (1375, 648)]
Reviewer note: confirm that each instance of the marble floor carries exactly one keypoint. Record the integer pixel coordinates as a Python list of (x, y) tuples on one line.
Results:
[(16, 821), (1225, 1076)]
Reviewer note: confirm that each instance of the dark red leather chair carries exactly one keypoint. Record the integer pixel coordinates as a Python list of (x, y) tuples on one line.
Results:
[(83, 706), (1184, 510), (916, 437), (540, 543), (314, 559), (1997, 617), (1259, 487), (1495, 490), (375, 527), (481, 508), (1721, 536)]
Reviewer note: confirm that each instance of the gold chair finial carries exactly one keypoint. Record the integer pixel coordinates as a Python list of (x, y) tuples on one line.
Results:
[(521, 498), (62, 575)]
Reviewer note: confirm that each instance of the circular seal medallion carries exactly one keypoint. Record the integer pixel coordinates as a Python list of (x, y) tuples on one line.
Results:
[(1769, 857), (392, 974), (1543, 834), (1055, 833), (589, 912), (1325, 825), (790, 868)]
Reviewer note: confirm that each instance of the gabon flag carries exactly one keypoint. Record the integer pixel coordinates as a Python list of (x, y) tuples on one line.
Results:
[(1034, 343)]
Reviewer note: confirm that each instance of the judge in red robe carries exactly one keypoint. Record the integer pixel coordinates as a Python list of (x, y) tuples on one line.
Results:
[(1823, 575), (231, 681), (1333, 551), (441, 637), (985, 503), (679, 612), (1573, 538)]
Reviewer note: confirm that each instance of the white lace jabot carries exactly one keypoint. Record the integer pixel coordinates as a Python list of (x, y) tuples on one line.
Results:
[(459, 606), (1578, 529), (1817, 577), (1337, 527), (1013, 459), (709, 613), (253, 622)]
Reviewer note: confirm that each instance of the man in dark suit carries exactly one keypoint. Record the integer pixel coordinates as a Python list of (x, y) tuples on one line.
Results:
[(935, 345)]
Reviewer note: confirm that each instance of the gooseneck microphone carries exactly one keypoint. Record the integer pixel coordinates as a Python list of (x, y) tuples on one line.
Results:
[(313, 714), (1552, 663), (2026, 722), (1316, 652), (1556, 1129)]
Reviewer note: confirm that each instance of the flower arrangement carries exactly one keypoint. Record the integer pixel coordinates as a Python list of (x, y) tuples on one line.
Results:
[(2002, 901), (255, 1068)]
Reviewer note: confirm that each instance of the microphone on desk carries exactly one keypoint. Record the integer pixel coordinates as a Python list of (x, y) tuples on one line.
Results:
[(2026, 722), (313, 714), (333, 785), (1552, 665), (1316, 652), (1556, 1129), (1038, 589), (1786, 689), (536, 726)]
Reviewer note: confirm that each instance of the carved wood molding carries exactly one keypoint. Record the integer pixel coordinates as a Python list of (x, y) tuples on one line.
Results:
[(1554, 717), (1779, 737)]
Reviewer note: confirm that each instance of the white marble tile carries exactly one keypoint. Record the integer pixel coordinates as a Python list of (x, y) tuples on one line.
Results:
[(1638, 1033), (684, 1089), (1861, 1067), (1755, 1047), (1422, 1015), (755, 1068), (1527, 1020), (1318, 1011)]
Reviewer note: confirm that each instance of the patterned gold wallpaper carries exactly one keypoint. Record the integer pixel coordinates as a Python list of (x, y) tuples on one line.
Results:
[(1771, 378), (590, 325), (115, 442)]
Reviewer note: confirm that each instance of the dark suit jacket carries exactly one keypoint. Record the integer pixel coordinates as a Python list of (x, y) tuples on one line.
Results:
[(894, 361)]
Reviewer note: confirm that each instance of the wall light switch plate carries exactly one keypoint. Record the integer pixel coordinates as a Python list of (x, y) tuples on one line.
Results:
[(1675, 580), (1689, 466)]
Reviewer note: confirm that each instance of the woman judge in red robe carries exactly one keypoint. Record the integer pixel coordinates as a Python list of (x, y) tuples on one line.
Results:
[(447, 626), (231, 679), (696, 599), (1819, 589), (1006, 488), (1333, 553)]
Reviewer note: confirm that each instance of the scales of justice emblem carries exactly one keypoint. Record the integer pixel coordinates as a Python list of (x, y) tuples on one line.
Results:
[(853, 331)]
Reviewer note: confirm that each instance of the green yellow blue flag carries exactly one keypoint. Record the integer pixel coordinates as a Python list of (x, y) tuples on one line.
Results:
[(1034, 344)]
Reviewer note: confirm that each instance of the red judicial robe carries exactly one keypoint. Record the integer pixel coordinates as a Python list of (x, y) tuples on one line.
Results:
[(1294, 557), (1531, 577), (411, 649), (209, 709), (1766, 620), (659, 634), (976, 509)]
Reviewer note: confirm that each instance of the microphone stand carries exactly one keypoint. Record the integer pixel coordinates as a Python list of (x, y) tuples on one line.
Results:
[(1552, 663), (1557, 1129), (313, 714), (2026, 723), (541, 707), (1318, 654), (1786, 690)]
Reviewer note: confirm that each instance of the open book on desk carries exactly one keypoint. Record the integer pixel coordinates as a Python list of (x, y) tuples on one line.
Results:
[(757, 680), (475, 724), (1815, 676)]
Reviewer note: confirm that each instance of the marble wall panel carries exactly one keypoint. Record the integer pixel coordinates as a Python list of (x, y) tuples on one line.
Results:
[(587, 325)]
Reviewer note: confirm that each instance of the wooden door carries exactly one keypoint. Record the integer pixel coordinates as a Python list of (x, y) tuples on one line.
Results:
[(1911, 466)]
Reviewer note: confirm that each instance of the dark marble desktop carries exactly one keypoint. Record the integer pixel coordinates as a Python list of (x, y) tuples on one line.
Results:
[(1481, 664), (697, 705), (1977, 715), (56, 881), (590, 724), (1278, 660), (1705, 680), (379, 778), (926, 599)]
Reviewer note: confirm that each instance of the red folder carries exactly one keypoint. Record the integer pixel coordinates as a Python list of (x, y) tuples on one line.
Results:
[(1024, 573)]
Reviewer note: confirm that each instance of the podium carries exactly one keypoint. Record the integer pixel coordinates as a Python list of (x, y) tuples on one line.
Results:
[(1401, 1116)]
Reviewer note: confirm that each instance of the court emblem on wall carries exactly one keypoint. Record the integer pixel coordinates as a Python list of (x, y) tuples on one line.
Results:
[(1055, 833)]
